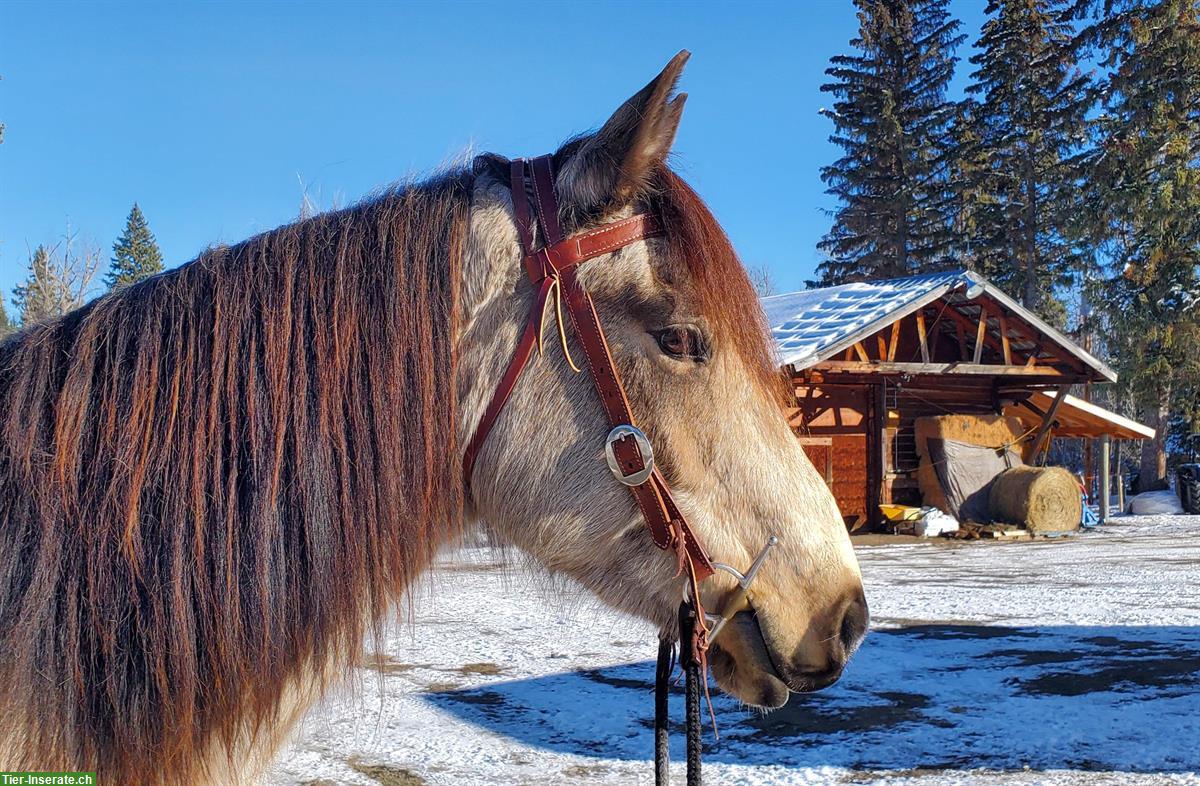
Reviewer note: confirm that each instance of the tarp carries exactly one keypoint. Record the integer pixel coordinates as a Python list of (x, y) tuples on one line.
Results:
[(965, 473)]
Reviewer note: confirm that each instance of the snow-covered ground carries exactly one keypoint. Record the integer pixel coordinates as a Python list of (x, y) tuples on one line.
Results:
[(1066, 662)]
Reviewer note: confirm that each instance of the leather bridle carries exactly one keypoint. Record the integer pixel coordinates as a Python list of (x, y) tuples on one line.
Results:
[(555, 266), (553, 269)]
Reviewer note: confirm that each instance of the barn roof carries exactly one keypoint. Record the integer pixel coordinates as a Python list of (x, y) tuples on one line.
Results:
[(816, 324), (1077, 418)]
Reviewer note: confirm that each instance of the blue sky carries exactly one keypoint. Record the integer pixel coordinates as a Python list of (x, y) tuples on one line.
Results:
[(213, 115)]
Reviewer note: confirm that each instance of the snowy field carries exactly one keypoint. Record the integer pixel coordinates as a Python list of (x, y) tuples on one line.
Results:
[(1065, 663)]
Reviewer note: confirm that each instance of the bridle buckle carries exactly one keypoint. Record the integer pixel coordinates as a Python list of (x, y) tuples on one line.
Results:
[(645, 450)]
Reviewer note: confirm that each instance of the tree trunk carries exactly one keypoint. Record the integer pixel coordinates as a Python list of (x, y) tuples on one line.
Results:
[(1152, 474), (1030, 296)]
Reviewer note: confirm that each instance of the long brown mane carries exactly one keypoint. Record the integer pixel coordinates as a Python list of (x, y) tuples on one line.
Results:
[(219, 478)]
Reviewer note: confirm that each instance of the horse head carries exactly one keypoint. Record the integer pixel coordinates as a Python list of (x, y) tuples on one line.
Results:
[(686, 334)]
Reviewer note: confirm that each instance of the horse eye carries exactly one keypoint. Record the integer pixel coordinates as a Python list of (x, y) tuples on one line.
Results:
[(681, 341)]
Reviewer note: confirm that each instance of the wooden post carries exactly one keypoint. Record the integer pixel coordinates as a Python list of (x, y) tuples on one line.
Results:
[(1043, 431), (980, 335), (885, 454), (921, 335), (1089, 453), (1004, 342), (876, 455), (1105, 471), (1120, 481), (895, 341)]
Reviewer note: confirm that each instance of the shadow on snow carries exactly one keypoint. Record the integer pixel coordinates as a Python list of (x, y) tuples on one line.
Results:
[(935, 696)]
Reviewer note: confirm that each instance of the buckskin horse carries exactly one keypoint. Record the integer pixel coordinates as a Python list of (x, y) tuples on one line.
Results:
[(215, 483)]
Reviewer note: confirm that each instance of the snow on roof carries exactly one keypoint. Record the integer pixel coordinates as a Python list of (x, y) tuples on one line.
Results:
[(816, 324), (811, 325)]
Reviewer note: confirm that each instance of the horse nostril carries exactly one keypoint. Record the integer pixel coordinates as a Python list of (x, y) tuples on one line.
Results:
[(854, 625)]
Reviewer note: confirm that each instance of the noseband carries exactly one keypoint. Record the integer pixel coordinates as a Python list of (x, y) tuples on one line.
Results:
[(553, 270)]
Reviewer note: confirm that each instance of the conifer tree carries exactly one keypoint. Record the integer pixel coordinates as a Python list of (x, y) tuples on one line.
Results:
[(968, 186), (891, 118), (59, 280), (135, 254), (1030, 125), (36, 297), (1144, 209), (7, 328)]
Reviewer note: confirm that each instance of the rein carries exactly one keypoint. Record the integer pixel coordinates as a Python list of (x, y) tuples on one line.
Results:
[(553, 270)]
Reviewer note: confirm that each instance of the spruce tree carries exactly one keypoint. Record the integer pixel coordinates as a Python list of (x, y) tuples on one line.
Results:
[(1144, 208), (968, 187), (135, 254), (892, 118), (59, 280), (1030, 125), (7, 328), (38, 296)]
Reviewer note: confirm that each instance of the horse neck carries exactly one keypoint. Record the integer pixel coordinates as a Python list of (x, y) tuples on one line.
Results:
[(495, 301)]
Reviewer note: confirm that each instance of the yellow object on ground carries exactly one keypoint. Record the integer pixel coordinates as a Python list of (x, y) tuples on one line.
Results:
[(900, 512)]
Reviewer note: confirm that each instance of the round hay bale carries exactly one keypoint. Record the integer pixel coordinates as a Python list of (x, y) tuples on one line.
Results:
[(1042, 499)]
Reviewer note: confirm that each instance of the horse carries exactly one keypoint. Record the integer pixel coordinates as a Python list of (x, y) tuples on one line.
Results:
[(217, 482)]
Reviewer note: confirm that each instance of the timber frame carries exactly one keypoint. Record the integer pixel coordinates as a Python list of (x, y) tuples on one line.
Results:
[(963, 347)]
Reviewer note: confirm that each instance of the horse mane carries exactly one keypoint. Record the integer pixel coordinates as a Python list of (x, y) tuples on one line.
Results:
[(216, 479)]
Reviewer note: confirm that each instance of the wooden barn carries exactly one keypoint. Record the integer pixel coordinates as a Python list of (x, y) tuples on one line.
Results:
[(869, 360)]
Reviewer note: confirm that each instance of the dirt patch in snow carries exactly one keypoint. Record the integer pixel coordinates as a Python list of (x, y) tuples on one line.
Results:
[(586, 771), (486, 669), (385, 664), (387, 775)]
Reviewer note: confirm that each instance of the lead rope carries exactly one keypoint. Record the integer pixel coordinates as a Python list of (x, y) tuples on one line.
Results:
[(662, 711), (693, 678)]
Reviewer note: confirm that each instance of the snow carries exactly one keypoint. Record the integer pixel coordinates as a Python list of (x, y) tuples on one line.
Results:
[(806, 324), (1048, 663), (1151, 503)]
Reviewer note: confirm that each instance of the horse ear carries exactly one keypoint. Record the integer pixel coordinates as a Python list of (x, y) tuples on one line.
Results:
[(612, 166)]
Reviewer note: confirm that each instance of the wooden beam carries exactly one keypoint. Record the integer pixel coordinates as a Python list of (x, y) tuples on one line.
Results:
[(895, 341), (962, 339), (965, 324), (1029, 405), (1043, 432), (861, 352), (922, 337), (876, 367), (980, 334), (882, 346), (1038, 339), (1004, 340)]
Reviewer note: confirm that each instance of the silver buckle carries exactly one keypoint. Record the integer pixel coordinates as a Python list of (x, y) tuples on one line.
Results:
[(619, 433)]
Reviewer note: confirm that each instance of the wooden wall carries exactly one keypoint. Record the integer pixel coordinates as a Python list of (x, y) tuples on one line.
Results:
[(873, 456), (840, 413)]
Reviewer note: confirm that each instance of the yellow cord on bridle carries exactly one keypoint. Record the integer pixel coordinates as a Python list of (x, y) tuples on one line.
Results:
[(556, 289)]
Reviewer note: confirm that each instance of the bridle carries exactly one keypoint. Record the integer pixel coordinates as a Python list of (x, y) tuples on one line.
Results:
[(553, 270)]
